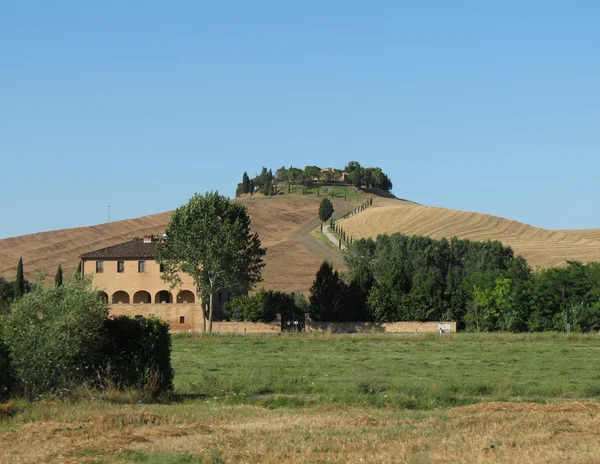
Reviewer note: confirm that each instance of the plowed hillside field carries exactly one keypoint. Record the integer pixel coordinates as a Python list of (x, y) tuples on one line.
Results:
[(283, 225), (541, 247)]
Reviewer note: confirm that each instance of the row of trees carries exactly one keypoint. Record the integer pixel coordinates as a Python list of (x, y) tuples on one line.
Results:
[(480, 285), (354, 174)]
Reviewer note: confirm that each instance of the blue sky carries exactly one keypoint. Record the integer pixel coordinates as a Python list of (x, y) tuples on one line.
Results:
[(491, 107)]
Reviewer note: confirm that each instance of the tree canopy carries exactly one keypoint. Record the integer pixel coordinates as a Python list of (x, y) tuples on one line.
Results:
[(267, 183), (210, 239)]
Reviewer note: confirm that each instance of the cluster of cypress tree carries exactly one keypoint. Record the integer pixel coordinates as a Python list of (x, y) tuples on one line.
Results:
[(10, 291), (262, 183)]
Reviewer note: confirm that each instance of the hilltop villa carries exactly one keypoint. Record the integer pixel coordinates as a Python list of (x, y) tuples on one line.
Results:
[(131, 282)]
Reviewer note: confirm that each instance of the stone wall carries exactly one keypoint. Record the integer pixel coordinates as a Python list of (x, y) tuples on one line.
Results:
[(188, 318), (374, 327)]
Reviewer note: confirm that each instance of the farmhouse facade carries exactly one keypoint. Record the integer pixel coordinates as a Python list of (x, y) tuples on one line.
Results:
[(130, 278)]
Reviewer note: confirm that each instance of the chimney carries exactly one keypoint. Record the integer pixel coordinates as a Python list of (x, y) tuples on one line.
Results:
[(147, 238)]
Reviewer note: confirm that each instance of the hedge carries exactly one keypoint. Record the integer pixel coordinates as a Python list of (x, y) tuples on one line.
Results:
[(138, 354)]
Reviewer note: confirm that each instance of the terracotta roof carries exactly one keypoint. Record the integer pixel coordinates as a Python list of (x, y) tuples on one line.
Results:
[(134, 249)]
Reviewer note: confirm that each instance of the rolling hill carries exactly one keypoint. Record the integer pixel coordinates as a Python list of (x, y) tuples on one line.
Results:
[(283, 225), (293, 256), (541, 247)]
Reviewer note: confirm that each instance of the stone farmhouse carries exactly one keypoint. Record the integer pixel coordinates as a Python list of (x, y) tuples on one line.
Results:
[(130, 279), (343, 177)]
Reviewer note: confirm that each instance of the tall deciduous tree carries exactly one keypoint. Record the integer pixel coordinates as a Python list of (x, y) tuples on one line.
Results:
[(209, 239), (58, 279), (20, 280), (325, 209)]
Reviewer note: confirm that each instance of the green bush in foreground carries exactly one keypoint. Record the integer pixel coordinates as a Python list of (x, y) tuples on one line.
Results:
[(58, 339), (55, 337), (138, 354)]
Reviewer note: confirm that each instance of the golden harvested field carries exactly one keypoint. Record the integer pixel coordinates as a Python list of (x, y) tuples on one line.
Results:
[(283, 225), (98, 432), (541, 247)]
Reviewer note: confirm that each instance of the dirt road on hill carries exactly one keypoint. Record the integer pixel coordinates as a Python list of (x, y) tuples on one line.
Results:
[(303, 237)]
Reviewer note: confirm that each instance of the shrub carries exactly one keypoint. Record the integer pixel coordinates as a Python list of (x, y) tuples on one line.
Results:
[(55, 338), (264, 306), (253, 308), (138, 354)]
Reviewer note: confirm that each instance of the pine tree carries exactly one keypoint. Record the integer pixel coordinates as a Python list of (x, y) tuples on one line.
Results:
[(20, 280), (58, 280)]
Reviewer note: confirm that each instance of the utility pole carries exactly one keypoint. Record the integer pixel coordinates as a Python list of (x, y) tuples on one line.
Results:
[(108, 213)]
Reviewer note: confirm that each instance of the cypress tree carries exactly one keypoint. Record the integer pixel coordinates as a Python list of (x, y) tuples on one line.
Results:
[(58, 280), (78, 271), (20, 280), (245, 183)]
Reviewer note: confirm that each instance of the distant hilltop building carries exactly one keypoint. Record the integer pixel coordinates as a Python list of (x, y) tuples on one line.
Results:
[(130, 279), (341, 176)]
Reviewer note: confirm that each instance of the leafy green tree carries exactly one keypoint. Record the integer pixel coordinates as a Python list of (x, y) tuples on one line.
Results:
[(360, 256), (210, 239), (55, 337), (355, 178), (312, 172), (325, 210), (352, 166), (58, 279), (295, 175), (281, 175), (20, 280), (367, 177)]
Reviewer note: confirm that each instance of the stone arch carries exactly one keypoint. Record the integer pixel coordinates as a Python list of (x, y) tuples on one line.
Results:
[(142, 296), (120, 297), (164, 296), (185, 296)]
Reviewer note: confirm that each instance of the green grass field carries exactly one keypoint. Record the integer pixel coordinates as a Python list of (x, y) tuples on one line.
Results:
[(331, 398), (399, 371), (326, 189)]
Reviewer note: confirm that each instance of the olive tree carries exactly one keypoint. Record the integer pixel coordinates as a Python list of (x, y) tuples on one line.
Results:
[(210, 239)]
